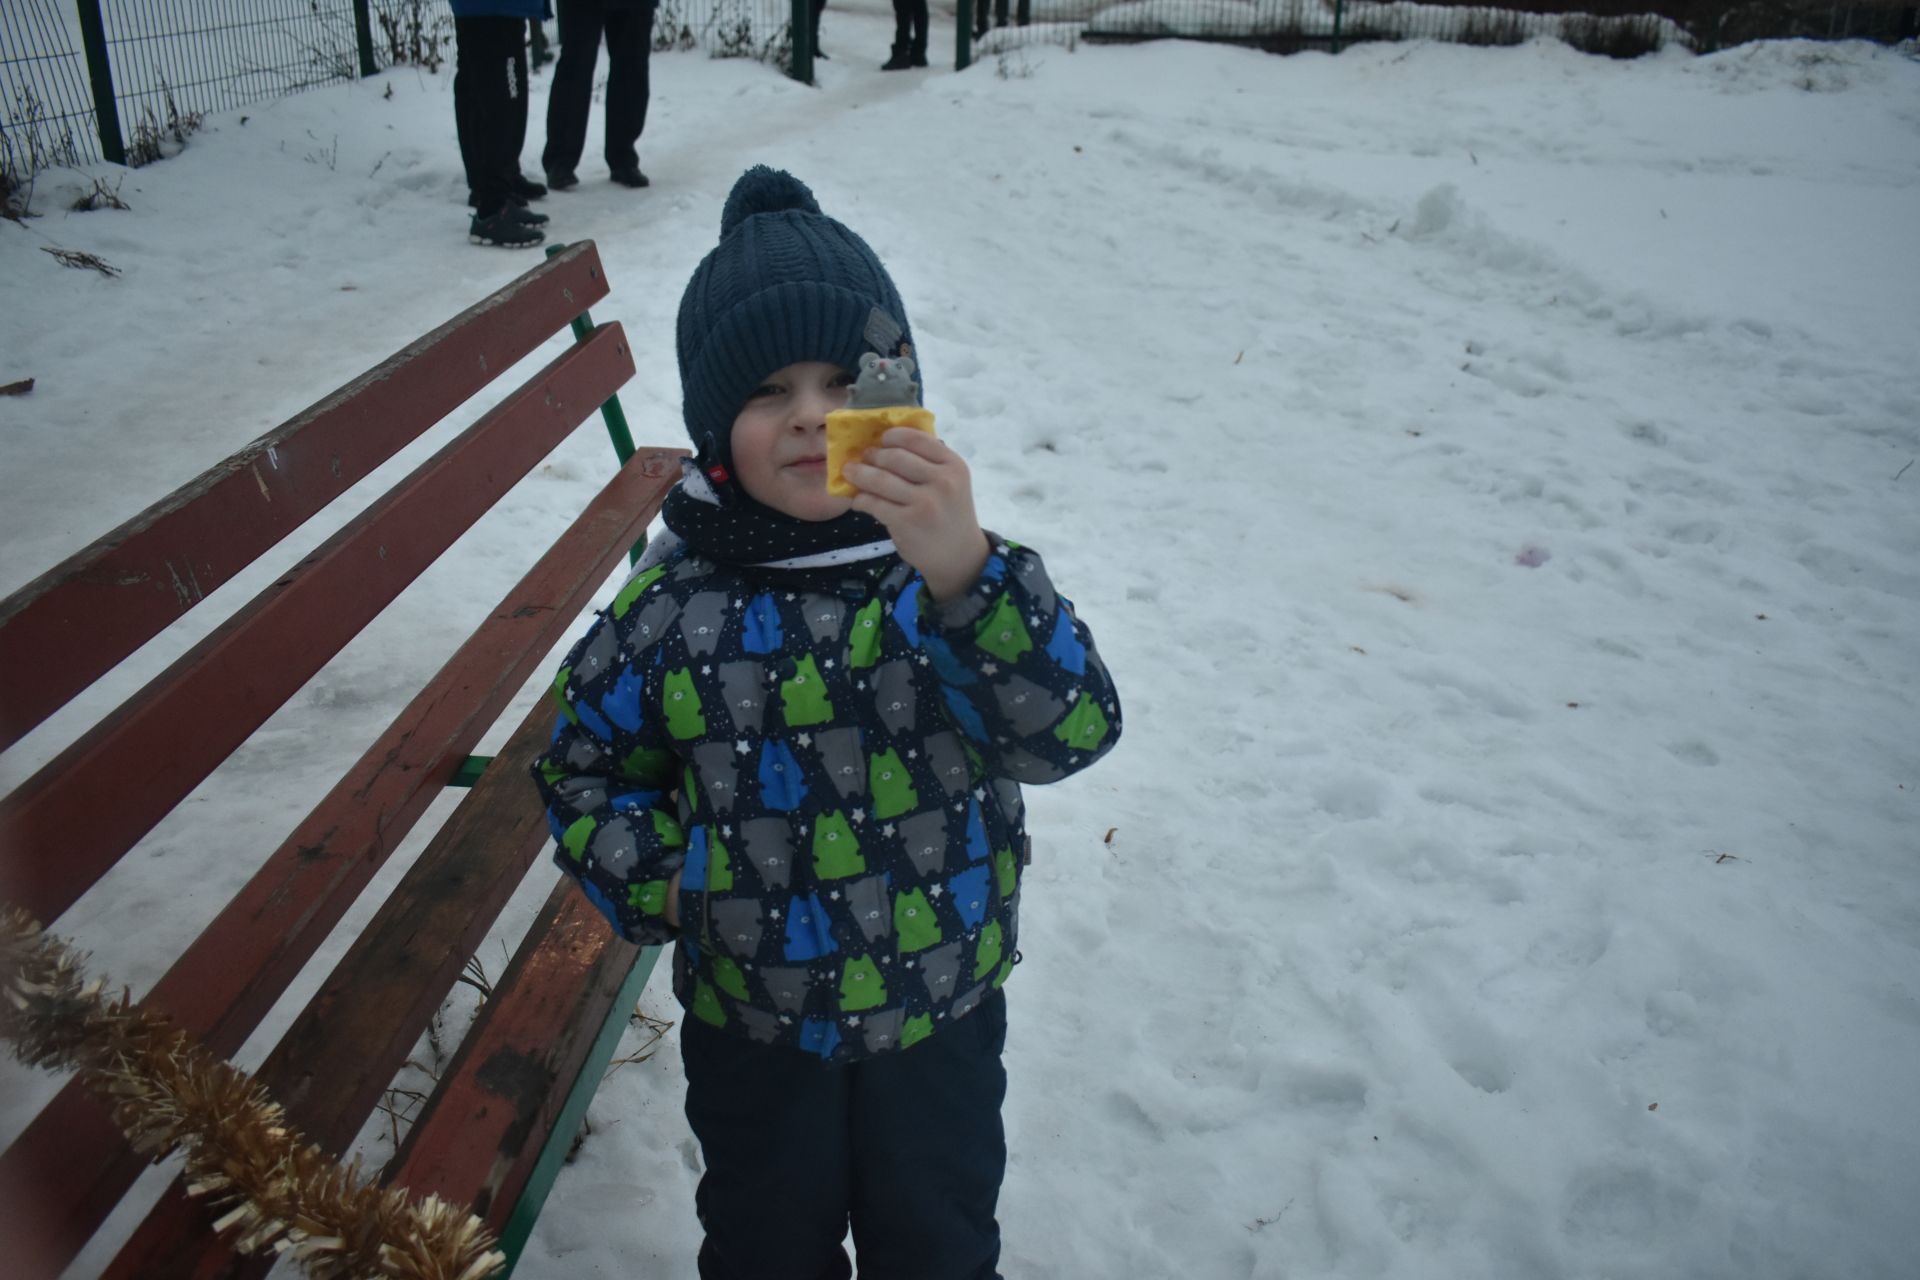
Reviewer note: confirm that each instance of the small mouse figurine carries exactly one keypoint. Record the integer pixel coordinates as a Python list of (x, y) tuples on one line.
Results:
[(883, 382)]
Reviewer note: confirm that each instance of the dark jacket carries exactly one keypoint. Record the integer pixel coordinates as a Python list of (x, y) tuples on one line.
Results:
[(835, 765), (501, 9)]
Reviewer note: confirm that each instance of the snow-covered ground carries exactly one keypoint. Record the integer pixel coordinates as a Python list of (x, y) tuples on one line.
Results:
[(1489, 474)]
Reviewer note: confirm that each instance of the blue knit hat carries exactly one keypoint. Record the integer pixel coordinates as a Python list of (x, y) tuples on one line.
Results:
[(785, 284)]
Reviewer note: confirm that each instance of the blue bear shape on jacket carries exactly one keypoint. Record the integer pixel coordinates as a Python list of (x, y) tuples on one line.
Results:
[(622, 703), (782, 788), (976, 833), (818, 1035), (693, 874), (969, 890), (808, 937), (762, 633), (1065, 648)]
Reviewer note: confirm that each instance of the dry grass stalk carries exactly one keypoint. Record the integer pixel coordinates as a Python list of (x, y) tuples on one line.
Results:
[(268, 1186)]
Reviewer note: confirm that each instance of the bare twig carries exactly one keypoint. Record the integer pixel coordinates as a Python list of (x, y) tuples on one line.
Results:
[(75, 258)]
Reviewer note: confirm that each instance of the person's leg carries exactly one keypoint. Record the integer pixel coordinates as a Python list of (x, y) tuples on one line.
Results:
[(489, 112), (629, 48), (571, 96), (902, 37), (918, 53), (772, 1125), (480, 105), (514, 137), (929, 1153)]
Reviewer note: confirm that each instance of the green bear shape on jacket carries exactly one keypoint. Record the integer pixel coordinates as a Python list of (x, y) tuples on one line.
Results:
[(719, 870), (918, 1028), (727, 976), (1085, 727), (1005, 873), (635, 589), (681, 703), (861, 986), (648, 764), (891, 784), (803, 698), (988, 954), (706, 1005), (914, 921), (574, 839), (836, 854), (650, 898), (864, 643), (1002, 633)]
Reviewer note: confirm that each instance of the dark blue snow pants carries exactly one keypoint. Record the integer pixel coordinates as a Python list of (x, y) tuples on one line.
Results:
[(908, 1146)]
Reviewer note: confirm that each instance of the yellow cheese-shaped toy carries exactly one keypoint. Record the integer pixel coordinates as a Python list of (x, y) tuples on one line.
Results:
[(851, 432)]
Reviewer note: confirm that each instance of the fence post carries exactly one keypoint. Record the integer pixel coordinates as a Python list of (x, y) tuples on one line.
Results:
[(363, 36), (1339, 8), (93, 36), (963, 34), (803, 41), (1023, 12)]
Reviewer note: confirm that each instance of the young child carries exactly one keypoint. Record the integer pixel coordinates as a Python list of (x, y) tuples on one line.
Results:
[(793, 747)]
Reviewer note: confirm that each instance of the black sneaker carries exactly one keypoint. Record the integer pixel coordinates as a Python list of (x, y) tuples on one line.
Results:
[(631, 178), (526, 188), (898, 62), (504, 230), (561, 179), (525, 216)]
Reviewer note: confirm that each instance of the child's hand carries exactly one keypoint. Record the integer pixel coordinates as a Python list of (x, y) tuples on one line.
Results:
[(921, 490)]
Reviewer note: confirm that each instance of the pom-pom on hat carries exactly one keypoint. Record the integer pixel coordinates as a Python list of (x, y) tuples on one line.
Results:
[(785, 284)]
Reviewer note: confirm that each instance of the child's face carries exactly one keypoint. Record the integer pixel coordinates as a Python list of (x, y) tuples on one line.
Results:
[(780, 440)]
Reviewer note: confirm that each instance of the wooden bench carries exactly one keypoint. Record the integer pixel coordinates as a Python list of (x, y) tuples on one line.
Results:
[(512, 1098)]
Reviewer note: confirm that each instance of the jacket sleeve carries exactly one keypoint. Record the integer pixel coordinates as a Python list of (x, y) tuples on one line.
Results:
[(1017, 668), (608, 779)]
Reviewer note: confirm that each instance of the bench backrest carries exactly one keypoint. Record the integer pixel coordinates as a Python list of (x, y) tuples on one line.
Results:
[(62, 632)]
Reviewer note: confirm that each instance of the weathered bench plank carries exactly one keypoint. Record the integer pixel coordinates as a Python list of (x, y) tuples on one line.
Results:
[(503, 1096), (287, 633), (66, 1171), (343, 1050), (71, 625)]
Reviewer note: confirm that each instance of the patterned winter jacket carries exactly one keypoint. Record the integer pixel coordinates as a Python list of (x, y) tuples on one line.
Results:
[(835, 769)]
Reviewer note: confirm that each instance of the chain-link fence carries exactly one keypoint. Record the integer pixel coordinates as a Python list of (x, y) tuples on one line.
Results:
[(1618, 28), (82, 80), (128, 80)]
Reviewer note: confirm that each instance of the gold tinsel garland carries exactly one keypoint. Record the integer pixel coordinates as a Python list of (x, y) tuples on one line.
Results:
[(267, 1184)]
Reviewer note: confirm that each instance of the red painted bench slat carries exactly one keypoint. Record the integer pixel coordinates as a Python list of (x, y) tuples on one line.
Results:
[(65, 629), (138, 757), (67, 1170), (478, 1138), (345, 1047)]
